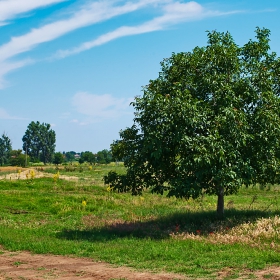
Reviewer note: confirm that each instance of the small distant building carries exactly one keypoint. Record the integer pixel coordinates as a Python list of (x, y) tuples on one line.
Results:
[(77, 156)]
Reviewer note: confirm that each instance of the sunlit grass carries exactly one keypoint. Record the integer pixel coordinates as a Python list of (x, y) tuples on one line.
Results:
[(151, 232)]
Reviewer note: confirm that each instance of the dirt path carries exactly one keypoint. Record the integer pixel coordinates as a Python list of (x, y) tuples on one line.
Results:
[(27, 266), (24, 265)]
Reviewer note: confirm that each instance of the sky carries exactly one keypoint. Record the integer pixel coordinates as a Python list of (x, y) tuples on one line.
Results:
[(78, 64)]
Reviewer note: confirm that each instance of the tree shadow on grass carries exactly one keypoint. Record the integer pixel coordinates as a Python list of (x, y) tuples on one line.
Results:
[(201, 223)]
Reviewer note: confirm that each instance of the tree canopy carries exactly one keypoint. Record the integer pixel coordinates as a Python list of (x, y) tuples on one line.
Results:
[(70, 156), (58, 158), (39, 141), (104, 156), (87, 156), (18, 158), (5, 149), (209, 123)]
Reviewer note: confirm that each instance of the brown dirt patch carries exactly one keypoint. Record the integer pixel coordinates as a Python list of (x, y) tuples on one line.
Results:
[(272, 273), (24, 265), (10, 168), (25, 174)]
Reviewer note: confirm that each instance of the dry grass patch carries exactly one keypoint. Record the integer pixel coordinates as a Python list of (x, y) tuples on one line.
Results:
[(264, 232)]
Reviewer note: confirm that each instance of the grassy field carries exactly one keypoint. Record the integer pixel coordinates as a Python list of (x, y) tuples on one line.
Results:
[(82, 217)]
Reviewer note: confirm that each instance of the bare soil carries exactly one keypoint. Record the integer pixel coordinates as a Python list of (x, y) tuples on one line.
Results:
[(25, 174), (24, 265), (272, 273), (9, 168)]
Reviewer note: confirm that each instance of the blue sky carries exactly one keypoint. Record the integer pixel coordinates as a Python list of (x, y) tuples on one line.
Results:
[(77, 64)]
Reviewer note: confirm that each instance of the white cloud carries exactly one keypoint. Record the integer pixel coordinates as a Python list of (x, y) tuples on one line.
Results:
[(100, 107), (78, 122), (10, 8), (65, 115), (74, 121), (174, 13), (7, 67), (4, 115), (91, 13), (88, 15), (120, 32)]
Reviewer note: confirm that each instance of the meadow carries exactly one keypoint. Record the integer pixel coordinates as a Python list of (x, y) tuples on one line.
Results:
[(71, 212)]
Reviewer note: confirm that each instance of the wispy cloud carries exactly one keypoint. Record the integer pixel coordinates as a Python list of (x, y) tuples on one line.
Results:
[(11, 8), (4, 115), (88, 14), (77, 122), (7, 67), (100, 107), (173, 13)]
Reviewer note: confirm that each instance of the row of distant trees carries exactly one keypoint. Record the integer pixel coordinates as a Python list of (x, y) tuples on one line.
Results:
[(39, 146), (103, 157)]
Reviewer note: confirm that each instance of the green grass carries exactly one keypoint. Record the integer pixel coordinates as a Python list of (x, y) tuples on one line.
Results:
[(150, 232)]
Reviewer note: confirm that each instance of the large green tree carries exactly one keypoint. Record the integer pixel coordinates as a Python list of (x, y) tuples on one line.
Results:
[(104, 156), (58, 158), (70, 156), (5, 149), (39, 141), (87, 156), (209, 123), (18, 158)]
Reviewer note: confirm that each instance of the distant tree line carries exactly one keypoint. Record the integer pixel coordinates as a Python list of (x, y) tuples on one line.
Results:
[(101, 157), (39, 146)]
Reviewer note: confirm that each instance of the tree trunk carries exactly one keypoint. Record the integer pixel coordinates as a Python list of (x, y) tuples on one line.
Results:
[(220, 203)]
